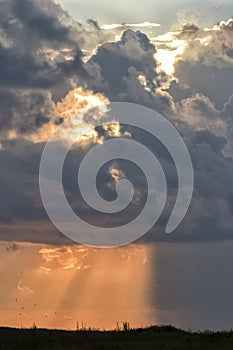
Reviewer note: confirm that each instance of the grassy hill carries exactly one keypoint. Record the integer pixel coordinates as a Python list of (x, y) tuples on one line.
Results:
[(166, 337)]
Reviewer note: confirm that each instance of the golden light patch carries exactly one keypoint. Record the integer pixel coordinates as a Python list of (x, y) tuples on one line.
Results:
[(72, 109), (58, 287)]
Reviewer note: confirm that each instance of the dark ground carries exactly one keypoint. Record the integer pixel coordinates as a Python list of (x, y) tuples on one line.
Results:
[(166, 337)]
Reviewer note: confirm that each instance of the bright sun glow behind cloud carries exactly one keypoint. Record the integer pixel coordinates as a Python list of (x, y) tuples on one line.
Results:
[(168, 49)]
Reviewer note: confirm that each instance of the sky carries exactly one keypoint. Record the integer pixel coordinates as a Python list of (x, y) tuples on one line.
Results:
[(56, 60), (167, 13)]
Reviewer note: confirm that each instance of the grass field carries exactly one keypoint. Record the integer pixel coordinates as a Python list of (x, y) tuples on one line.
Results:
[(165, 337)]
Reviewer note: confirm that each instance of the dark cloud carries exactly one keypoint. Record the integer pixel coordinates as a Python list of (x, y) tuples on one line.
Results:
[(19, 161), (212, 168), (216, 144), (12, 247), (209, 218), (214, 82), (33, 30), (180, 91), (39, 50), (189, 29), (123, 63), (206, 64), (24, 112), (42, 57)]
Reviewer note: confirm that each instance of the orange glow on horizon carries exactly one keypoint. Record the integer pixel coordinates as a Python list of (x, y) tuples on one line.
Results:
[(56, 287)]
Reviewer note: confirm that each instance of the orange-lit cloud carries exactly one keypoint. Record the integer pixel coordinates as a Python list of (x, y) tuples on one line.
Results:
[(24, 289), (73, 109)]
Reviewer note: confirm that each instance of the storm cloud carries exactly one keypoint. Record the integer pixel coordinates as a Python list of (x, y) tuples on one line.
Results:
[(44, 54)]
